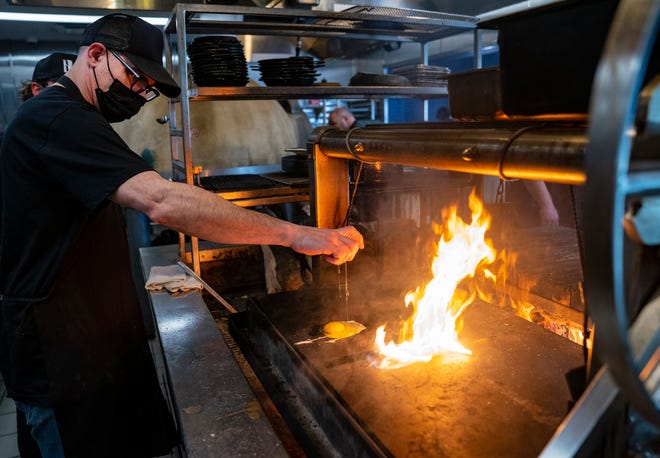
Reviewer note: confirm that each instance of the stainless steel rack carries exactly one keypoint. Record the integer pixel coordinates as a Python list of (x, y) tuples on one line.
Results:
[(371, 22), (359, 22), (300, 92)]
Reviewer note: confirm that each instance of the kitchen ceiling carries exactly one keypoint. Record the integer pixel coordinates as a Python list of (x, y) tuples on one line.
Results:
[(469, 7), (158, 5), (36, 32)]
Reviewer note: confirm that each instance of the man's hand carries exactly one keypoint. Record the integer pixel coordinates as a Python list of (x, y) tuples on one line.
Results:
[(339, 245), (548, 216)]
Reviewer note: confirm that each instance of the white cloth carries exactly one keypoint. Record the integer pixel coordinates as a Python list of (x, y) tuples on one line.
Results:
[(173, 278)]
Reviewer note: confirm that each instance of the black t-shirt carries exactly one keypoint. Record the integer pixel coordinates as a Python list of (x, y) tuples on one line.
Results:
[(59, 162), (71, 329)]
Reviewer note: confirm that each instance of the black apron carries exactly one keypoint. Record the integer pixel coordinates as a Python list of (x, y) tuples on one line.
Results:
[(103, 384)]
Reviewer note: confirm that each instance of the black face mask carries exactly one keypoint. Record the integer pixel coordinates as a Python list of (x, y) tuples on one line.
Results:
[(118, 103)]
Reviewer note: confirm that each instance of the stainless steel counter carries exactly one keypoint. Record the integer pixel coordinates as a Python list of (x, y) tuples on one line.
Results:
[(217, 411)]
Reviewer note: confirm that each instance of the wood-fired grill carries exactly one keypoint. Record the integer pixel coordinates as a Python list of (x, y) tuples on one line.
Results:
[(506, 399)]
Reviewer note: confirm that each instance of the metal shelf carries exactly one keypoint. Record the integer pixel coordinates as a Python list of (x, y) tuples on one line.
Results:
[(361, 22), (357, 22), (315, 92)]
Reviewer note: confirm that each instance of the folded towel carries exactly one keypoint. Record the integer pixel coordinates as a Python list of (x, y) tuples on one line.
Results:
[(182, 286), (173, 278)]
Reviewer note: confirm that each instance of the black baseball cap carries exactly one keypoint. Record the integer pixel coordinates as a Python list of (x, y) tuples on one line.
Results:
[(51, 68), (138, 40)]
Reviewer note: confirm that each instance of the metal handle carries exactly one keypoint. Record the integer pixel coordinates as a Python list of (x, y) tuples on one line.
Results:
[(211, 291)]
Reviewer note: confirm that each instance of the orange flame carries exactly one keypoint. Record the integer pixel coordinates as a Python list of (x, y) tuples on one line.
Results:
[(520, 301), (432, 327)]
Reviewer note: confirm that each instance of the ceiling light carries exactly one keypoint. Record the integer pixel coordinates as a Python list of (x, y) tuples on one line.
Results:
[(66, 18)]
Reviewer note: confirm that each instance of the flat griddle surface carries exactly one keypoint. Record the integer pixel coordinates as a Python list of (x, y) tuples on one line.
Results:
[(506, 399)]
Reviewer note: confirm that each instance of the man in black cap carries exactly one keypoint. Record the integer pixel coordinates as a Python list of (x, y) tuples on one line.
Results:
[(73, 350), (46, 72)]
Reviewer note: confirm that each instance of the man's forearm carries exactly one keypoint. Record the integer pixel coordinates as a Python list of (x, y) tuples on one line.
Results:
[(198, 212), (201, 213)]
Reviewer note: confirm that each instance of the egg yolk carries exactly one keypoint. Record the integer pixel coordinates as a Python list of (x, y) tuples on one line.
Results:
[(342, 329), (334, 327)]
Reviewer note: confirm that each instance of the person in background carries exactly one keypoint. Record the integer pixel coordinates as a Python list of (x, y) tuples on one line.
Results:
[(533, 204), (443, 114), (547, 212), (47, 71), (342, 119), (73, 351)]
